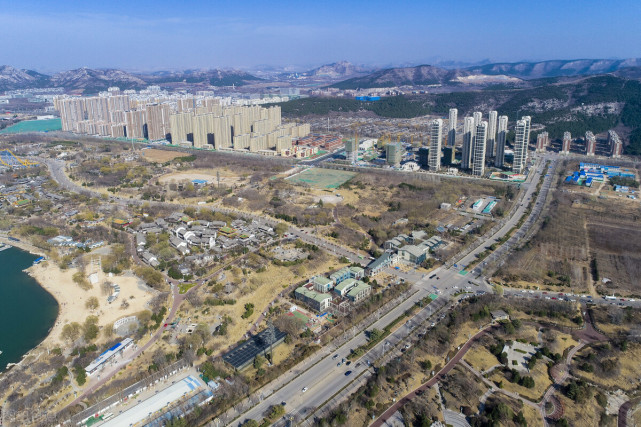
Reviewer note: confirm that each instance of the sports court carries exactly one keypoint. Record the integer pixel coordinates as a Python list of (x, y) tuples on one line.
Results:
[(34, 126), (322, 178)]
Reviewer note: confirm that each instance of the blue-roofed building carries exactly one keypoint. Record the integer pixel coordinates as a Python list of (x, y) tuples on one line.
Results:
[(108, 355)]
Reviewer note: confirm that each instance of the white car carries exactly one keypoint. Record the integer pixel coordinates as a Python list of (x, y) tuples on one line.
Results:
[(304, 389)]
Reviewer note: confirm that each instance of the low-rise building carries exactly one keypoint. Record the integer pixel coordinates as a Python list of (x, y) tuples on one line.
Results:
[(344, 287), (314, 300), (412, 254), (381, 263), (322, 284), (359, 292)]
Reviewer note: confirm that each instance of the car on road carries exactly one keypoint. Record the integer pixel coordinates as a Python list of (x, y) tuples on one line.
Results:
[(334, 357), (358, 364), (304, 389), (348, 373)]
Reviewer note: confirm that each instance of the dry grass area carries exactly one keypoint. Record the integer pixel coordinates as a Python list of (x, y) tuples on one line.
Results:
[(529, 333), (160, 156), (480, 358), (532, 416), (560, 320), (626, 376), (581, 415), (541, 382), (260, 289), (460, 388), (558, 342), (580, 228), (228, 177)]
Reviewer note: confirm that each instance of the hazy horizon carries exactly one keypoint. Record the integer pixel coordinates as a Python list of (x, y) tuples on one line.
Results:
[(163, 35)]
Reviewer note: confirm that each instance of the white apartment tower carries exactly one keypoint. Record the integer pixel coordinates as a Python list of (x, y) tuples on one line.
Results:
[(491, 134), (436, 136), (478, 116), (451, 128), (499, 159), (480, 139), (520, 146), (468, 140), (567, 141)]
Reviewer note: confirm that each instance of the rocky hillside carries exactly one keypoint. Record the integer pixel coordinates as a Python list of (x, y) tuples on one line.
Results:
[(535, 70), (422, 75), (213, 77), (91, 80), (13, 78)]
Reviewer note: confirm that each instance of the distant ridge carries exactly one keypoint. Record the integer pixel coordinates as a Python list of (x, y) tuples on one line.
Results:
[(93, 80), (423, 75)]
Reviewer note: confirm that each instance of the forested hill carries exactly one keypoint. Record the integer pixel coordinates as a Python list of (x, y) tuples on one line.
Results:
[(596, 103)]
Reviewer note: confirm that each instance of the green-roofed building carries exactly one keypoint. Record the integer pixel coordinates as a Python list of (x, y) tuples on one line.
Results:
[(322, 284), (314, 300), (343, 287), (356, 272), (359, 292)]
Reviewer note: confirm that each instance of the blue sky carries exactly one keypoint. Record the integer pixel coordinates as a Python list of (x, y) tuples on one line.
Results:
[(151, 35)]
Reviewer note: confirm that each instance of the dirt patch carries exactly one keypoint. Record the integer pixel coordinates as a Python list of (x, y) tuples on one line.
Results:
[(160, 156), (210, 175)]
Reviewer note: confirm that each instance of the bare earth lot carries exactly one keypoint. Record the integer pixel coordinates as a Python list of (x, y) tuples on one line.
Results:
[(160, 156)]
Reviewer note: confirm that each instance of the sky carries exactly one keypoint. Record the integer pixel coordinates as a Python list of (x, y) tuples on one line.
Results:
[(142, 35)]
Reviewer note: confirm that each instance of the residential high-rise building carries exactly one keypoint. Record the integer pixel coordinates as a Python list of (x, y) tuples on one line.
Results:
[(449, 156), (158, 124), (542, 141), (394, 153), (451, 128), (436, 135), (491, 135), (423, 157), (351, 150), (499, 159), (520, 146), (528, 126), (203, 120), (478, 116), (468, 140), (567, 142), (136, 124), (590, 143), (480, 139), (615, 143)]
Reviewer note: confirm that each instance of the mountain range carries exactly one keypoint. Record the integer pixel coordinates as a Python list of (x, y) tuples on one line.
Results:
[(345, 75), (424, 75), (93, 80)]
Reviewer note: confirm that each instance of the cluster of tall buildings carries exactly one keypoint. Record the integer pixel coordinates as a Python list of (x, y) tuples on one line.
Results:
[(485, 141), (202, 121)]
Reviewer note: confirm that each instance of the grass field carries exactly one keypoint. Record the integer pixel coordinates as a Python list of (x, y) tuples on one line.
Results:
[(322, 178), (480, 358), (541, 382), (34, 126)]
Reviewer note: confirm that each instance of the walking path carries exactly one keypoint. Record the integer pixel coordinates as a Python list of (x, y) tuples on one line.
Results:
[(422, 388)]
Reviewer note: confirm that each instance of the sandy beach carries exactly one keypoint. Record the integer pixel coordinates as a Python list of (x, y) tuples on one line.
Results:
[(72, 299)]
